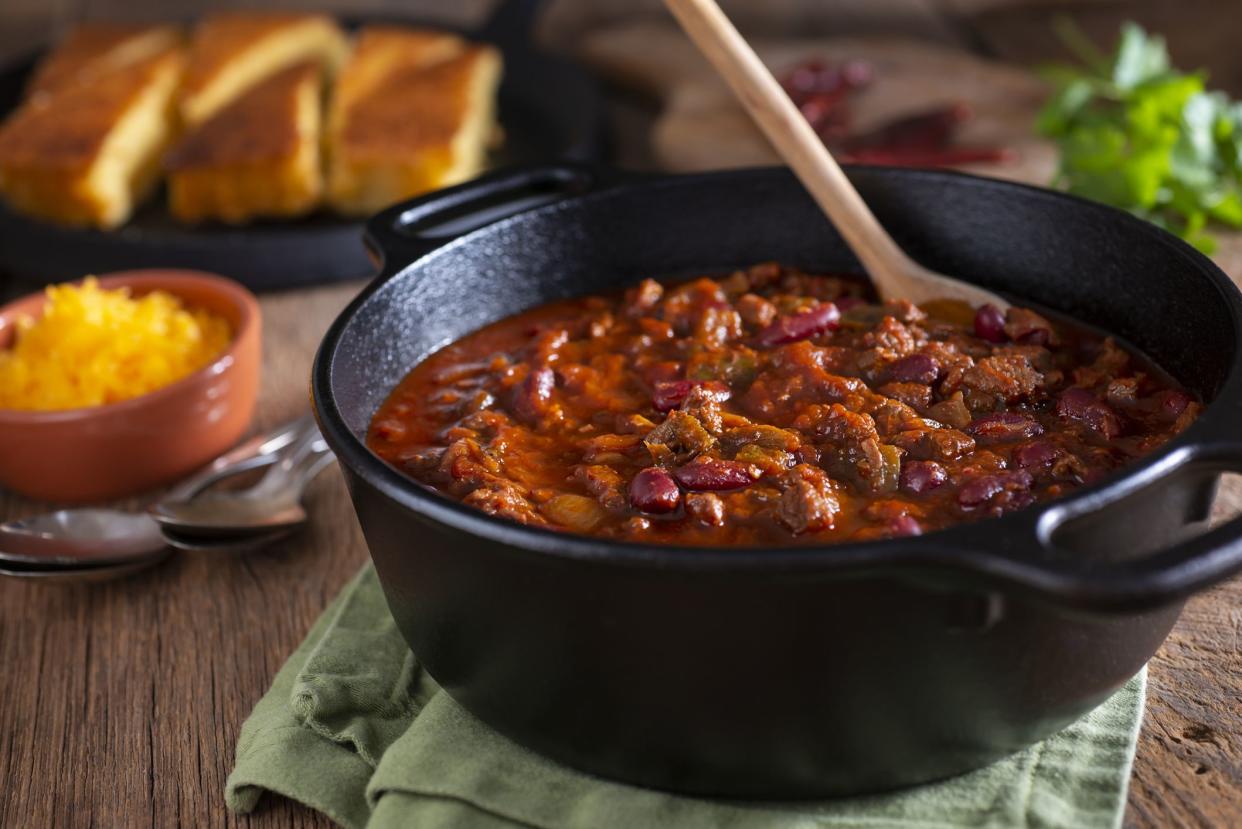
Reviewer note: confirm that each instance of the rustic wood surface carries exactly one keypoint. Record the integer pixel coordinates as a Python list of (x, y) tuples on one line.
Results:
[(120, 703)]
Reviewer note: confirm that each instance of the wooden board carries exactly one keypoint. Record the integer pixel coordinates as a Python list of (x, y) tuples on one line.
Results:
[(700, 127)]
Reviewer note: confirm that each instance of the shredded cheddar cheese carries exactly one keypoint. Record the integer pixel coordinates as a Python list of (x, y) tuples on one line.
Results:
[(93, 346)]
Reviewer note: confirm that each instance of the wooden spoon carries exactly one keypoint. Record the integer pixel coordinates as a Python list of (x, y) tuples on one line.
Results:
[(895, 275)]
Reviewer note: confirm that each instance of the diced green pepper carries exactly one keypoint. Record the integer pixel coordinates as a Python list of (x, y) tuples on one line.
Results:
[(890, 472)]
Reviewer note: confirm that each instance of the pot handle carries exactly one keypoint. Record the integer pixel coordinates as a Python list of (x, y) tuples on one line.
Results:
[(1033, 558), (411, 229)]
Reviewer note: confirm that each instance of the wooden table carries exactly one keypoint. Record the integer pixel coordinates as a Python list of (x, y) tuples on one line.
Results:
[(120, 703)]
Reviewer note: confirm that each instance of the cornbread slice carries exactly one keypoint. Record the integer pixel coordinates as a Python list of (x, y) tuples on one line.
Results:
[(93, 49), (89, 153), (257, 157), (231, 52), (381, 51), (411, 112)]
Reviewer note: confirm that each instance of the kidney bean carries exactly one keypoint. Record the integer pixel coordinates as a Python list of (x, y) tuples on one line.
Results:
[(800, 326), (915, 368), (1035, 455), (845, 303), (922, 476), (982, 489), (1173, 403), (670, 395), (905, 525), (1083, 406), (1005, 426), (1041, 336), (654, 491), (990, 324), (714, 475), (928, 130), (532, 396)]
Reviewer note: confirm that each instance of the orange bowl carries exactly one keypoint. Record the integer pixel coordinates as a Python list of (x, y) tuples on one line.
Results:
[(118, 449)]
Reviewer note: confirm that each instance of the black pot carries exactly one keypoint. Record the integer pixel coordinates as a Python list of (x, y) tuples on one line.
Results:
[(785, 672)]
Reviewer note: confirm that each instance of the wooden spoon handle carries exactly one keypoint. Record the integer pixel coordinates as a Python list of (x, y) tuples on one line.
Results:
[(895, 275)]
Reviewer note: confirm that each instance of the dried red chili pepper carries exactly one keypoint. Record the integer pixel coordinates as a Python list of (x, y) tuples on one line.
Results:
[(948, 157), (927, 130)]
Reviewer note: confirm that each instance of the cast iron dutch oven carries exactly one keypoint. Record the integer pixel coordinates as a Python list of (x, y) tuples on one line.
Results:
[(785, 672)]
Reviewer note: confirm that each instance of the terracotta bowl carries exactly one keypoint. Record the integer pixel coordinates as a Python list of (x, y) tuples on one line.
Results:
[(119, 449)]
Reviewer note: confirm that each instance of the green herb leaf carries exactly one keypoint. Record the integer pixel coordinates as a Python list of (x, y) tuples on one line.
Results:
[(1140, 57), (1137, 134)]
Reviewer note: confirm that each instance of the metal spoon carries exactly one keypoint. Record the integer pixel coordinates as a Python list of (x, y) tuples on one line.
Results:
[(82, 574), (274, 503), (49, 573), (98, 538), (223, 544)]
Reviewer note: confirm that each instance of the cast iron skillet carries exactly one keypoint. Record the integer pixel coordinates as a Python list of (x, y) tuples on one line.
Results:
[(786, 672), (549, 108)]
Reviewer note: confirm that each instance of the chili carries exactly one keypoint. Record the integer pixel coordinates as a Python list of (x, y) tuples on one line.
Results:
[(771, 407)]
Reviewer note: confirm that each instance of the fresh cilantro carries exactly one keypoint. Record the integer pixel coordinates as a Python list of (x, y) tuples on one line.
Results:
[(1136, 133)]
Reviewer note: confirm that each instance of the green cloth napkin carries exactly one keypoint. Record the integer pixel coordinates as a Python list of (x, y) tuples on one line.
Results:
[(354, 728)]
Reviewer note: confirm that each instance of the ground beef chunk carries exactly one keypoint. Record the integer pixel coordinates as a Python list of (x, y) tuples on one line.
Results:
[(467, 465), (807, 502), (421, 460), (703, 404), (836, 424), (953, 363), (706, 507), (504, 500), (893, 416), (716, 327), (643, 297), (756, 311), (487, 423), (934, 444), (903, 310), (951, 412), (893, 337), (678, 439), (605, 483), (997, 380)]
